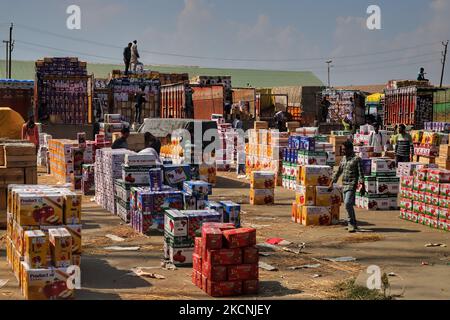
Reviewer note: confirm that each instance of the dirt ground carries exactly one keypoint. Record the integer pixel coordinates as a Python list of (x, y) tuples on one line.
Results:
[(396, 246)]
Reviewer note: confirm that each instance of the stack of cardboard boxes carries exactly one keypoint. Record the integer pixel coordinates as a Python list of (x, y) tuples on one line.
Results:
[(381, 186), (225, 261), (180, 230), (264, 152), (17, 166), (112, 124), (43, 239), (426, 145), (304, 150), (443, 161), (231, 147), (425, 198), (262, 188), (316, 203)]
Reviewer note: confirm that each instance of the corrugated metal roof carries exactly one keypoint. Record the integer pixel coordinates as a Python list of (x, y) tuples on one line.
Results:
[(240, 77)]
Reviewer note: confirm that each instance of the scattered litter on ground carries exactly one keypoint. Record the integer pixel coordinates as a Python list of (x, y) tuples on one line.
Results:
[(258, 226), (140, 272), (435, 245), (122, 248), (92, 199), (265, 218), (115, 238), (316, 276), (392, 274), (265, 254), (267, 246), (341, 259), (3, 283), (267, 267), (424, 263), (278, 241), (306, 266), (242, 177)]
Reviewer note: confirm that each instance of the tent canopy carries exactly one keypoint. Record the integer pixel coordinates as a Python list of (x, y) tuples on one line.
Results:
[(11, 124), (375, 98)]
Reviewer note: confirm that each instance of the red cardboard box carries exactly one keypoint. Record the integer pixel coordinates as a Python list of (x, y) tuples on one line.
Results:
[(243, 272), (239, 238), (212, 238), (198, 246), (197, 262), (194, 277), (204, 283), (250, 255), (224, 256), (224, 288), (214, 273), (250, 287), (220, 226)]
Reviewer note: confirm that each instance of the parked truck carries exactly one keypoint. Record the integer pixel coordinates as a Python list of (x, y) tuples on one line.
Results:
[(411, 106), (441, 105), (191, 101)]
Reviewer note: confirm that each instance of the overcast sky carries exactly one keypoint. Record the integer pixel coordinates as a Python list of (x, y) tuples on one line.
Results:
[(303, 33)]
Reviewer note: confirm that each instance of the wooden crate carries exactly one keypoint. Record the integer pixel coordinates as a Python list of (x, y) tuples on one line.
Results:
[(17, 155)]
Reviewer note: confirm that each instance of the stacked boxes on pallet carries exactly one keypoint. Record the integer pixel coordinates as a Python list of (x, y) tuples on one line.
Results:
[(196, 194), (231, 147), (265, 150), (425, 198), (225, 261), (262, 188), (305, 150), (426, 145), (443, 161), (64, 88), (88, 180), (43, 239), (180, 230), (381, 186), (316, 203)]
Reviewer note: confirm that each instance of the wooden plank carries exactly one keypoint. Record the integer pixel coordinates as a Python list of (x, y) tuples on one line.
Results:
[(11, 176), (31, 175), (20, 161), (3, 198), (24, 149)]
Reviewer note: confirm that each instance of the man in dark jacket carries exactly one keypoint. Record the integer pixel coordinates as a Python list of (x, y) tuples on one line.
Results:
[(122, 143), (127, 57), (140, 100)]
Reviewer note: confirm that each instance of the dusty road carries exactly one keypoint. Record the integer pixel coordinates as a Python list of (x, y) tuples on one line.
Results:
[(394, 245)]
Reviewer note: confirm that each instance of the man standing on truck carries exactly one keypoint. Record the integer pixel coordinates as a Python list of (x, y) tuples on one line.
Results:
[(135, 56), (127, 57), (404, 147), (140, 100), (353, 175), (324, 108)]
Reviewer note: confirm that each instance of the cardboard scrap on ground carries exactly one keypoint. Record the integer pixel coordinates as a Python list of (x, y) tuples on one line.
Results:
[(122, 248), (3, 283), (341, 259), (435, 245), (306, 266), (168, 265), (115, 238), (140, 272), (267, 267)]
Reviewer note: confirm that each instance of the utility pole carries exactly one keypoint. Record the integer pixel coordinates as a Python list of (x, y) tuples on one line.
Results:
[(11, 48), (444, 58), (329, 66), (6, 58)]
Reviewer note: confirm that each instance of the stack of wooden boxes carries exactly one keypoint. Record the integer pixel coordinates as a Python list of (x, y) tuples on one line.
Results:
[(18, 165), (443, 161)]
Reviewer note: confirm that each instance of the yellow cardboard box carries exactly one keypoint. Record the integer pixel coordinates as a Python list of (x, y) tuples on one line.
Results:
[(315, 175), (35, 249), (60, 247), (323, 197), (316, 216), (75, 232), (45, 284), (335, 214), (259, 197), (306, 195), (262, 180), (38, 209)]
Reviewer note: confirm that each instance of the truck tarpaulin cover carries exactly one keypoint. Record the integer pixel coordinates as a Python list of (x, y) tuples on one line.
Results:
[(11, 124), (161, 128)]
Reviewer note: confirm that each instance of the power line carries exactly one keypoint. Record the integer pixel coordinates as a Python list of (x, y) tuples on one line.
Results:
[(224, 58), (305, 67)]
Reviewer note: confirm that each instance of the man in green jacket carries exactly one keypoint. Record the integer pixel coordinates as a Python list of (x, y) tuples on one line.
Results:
[(353, 175)]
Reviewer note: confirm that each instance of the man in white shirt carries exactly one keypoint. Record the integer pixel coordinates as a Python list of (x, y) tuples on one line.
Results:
[(135, 56), (377, 140)]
